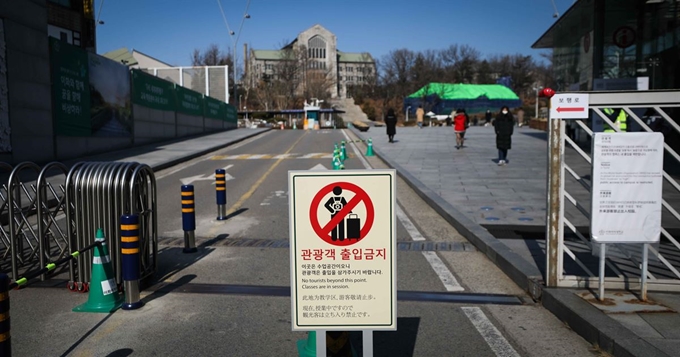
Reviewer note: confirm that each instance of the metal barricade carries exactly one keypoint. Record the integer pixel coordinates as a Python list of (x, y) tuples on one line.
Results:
[(97, 194), (4, 214), (21, 228), (45, 214), (569, 262), (52, 208)]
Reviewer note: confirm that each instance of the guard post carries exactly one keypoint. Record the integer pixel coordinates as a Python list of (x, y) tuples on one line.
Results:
[(221, 194), (188, 218), (129, 249), (5, 338)]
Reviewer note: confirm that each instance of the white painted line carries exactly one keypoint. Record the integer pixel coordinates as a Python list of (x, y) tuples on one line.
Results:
[(318, 167), (444, 274), (310, 155), (255, 157), (499, 345), (450, 282), (283, 156), (410, 227)]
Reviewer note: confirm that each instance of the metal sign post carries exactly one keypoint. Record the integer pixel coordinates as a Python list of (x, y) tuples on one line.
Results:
[(626, 194)]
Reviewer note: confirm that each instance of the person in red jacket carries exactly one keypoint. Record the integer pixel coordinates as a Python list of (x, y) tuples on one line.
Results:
[(459, 126)]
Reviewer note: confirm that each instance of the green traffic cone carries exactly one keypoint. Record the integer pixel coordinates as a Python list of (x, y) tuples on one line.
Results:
[(343, 152), (369, 150), (104, 295), (336, 163), (307, 348)]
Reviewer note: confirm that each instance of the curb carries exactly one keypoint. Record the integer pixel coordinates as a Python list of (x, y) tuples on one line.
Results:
[(584, 319)]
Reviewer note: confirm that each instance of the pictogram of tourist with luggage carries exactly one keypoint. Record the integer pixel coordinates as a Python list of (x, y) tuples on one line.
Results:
[(334, 205)]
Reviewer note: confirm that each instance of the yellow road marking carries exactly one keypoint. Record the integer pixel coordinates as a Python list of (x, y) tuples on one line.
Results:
[(250, 192), (257, 184)]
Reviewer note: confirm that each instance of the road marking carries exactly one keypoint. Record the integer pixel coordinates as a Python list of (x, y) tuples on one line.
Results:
[(318, 155), (445, 276), (252, 189), (189, 180), (499, 345)]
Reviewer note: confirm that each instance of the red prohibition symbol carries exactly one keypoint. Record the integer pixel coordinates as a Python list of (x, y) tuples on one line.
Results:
[(325, 232)]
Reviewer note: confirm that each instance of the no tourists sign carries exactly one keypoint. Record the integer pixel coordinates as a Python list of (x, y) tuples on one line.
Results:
[(342, 246)]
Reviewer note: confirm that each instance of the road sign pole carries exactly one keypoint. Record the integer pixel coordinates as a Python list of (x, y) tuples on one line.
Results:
[(321, 343), (368, 342)]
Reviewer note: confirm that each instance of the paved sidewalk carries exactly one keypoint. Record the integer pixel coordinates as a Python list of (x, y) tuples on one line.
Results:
[(475, 195)]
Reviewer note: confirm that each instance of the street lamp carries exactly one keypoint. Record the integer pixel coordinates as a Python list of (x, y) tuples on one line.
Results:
[(537, 89), (234, 42), (407, 110)]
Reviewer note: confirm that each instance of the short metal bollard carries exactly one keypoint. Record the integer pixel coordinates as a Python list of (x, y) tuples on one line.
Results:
[(221, 194), (129, 249), (5, 338), (188, 218)]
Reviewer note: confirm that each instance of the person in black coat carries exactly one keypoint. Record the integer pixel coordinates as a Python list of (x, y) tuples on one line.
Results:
[(391, 124), (503, 125)]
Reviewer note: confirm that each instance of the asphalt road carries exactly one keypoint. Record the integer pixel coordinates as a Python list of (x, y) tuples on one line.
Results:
[(196, 308)]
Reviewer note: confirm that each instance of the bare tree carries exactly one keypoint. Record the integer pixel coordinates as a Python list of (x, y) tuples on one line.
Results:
[(211, 56), (460, 62)]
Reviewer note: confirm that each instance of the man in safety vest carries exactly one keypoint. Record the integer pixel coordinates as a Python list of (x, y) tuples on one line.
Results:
[(619, 120)]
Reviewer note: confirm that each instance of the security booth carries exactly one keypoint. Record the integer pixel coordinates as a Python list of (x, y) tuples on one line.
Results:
[(312, 115)]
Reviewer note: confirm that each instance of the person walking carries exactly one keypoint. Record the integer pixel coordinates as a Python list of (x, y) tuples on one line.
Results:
[(503, 125), (391, 124), (420, 115), (487, 117), (459, 126)]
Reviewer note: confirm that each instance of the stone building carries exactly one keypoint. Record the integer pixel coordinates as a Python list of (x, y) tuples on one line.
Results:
[(317, 50)]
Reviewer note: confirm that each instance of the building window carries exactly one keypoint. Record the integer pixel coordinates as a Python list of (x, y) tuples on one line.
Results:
[(76, 38), (316, 47)]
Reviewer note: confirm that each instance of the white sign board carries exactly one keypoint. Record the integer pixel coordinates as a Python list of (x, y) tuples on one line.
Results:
[(627, 186), (569, 106), (342, 250)]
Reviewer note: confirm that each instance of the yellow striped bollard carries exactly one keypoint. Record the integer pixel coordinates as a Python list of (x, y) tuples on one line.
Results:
[(221, 194), (129, 249), (188, 218)]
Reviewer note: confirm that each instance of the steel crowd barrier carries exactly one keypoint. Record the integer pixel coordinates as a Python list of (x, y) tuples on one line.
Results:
[(34, 203), (99, 193)]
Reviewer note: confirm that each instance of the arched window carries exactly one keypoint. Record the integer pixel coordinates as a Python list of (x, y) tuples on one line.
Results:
[(317, 47)]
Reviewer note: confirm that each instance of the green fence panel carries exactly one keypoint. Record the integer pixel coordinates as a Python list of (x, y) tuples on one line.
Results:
[(215, 109), (70, 89), (189, 102), (152, 92), (232, 115)]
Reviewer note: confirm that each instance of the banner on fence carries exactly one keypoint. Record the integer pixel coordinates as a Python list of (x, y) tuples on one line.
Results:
[(152, 92), (70, 89), (189, 102)]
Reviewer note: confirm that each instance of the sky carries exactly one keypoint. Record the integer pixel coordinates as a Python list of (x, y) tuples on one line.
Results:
[(170, 30)]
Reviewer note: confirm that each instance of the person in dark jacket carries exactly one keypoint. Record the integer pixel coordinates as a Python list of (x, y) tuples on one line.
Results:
[(391, 124), (503, 125)]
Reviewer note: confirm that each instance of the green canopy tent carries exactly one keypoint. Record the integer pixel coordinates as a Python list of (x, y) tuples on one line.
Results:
[(443, 98)]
